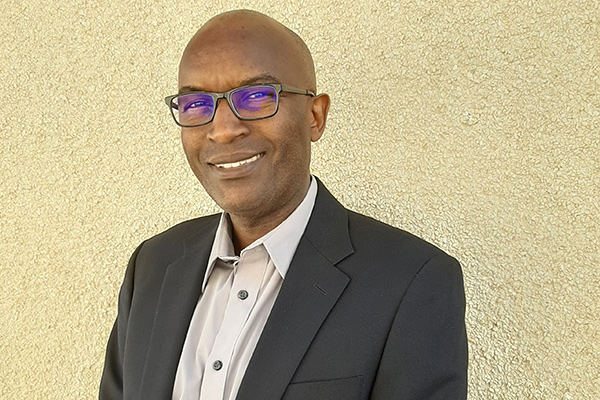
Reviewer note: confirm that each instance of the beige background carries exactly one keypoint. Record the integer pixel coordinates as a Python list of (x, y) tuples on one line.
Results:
[(473, 125)]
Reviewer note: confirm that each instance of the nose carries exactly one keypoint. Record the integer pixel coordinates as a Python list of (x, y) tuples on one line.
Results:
[(226, 126)]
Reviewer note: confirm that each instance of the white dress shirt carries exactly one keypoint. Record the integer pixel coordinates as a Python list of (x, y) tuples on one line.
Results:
[(238, 295)]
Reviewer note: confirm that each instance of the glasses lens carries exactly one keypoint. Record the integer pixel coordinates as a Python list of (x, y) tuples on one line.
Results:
[(193, 109), (255, 101)]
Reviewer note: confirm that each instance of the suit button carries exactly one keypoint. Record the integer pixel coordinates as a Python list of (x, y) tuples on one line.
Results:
[(242, 295), (217, 365)]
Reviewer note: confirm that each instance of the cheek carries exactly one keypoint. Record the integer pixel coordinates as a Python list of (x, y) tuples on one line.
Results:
[(192, 148), (295, 133), (190, 142), (294, 148)]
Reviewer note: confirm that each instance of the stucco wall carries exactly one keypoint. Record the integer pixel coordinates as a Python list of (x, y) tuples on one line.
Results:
[(472, 124)]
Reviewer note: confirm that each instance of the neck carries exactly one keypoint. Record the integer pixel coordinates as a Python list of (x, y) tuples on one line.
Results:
[(245, 234), (247, 229)]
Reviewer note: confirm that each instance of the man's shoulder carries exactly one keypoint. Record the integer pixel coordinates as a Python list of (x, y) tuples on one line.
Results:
[(387, 259), (369, 238), (377, 237), (184, 231)]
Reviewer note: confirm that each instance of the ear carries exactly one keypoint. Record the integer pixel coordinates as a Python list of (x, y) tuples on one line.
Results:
[(319, 112)]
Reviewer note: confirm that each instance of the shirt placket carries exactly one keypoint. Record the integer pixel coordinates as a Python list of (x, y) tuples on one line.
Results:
[(248, 274)]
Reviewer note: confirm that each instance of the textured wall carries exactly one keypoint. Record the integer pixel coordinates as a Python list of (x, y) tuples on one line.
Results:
[(473, 125)]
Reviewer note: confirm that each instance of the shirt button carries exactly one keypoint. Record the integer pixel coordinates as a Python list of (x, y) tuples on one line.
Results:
[(242, 295), (217, 365)]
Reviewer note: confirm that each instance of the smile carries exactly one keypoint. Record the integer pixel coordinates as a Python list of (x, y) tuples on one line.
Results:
[(239, 163)]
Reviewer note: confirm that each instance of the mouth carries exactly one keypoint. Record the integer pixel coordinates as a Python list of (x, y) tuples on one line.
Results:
[(238, 163)]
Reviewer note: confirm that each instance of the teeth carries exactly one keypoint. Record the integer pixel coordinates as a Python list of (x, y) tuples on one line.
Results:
[(238, 163)]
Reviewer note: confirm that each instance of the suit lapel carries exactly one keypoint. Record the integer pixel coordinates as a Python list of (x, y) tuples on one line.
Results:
[(178, 297), (310, 290)]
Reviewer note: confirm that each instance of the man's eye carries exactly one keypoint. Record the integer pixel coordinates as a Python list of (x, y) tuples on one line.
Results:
[(196, 105), (261, 95), (257, 95)]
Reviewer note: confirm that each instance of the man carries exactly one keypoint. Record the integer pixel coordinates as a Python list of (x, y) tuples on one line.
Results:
[(287, 295)]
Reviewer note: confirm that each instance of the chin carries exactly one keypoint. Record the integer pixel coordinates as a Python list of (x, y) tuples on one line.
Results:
[(238, 204)]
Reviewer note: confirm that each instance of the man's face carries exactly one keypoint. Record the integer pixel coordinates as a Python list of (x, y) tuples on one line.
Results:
[(252, 169)]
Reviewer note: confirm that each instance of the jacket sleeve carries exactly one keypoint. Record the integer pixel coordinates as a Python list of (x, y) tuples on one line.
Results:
[(111, 384), (425, 356)]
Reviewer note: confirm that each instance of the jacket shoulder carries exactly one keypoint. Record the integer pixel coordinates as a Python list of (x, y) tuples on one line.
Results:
[(184, 230), (381, 241), (164, 247)]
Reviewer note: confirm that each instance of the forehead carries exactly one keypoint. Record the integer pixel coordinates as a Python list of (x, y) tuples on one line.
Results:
[(222, 57)]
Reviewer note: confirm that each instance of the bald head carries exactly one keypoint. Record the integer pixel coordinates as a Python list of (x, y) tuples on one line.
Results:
[(244, 38)]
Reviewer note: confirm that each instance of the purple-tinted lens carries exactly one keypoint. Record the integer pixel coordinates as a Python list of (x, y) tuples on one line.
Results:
[(194, 108), (255, 101)]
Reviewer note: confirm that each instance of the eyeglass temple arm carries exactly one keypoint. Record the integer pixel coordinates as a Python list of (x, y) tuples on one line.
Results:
[(291, 89)]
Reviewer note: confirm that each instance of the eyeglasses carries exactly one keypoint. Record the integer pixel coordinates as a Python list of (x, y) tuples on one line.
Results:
[(248, 103)]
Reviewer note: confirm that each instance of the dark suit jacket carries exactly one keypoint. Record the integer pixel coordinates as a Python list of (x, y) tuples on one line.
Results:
[(366, 311)]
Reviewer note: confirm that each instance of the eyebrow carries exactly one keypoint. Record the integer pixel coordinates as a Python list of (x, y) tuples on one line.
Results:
[(262, 78)]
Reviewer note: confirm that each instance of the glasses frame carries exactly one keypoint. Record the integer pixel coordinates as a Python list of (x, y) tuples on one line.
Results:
[(279, 87)]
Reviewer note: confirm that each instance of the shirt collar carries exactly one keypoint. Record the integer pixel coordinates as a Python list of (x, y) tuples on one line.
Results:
[(280, 243)]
